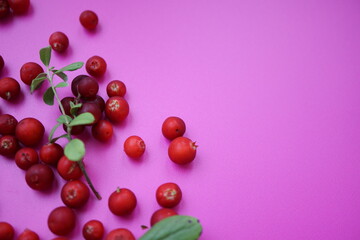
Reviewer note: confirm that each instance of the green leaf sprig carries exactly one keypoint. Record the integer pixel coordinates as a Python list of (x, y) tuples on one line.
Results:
[(75, 148)]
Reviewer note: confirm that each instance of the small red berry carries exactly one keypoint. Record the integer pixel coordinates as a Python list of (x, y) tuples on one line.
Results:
[(75, 194), (6, 231), (93, 230), (19, 6), (96, 66), (68, 170), (161, 214), (89, 19), (29, 131), (51, 153), (102, 131), (182, 150), (116, 109), (168, 195), (30, 71), (28, 234), (122, 202), (116, 88), (39, 177), (26, 157), (120, 233), (8, 145), (9, 88), (7, 124), (173, 127), (134, 146), (59, 42), (62, 221)]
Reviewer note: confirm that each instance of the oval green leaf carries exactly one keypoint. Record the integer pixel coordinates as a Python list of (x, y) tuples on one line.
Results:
[(36, 83), (178, 227), (45, 55), (64, 119), (62, 84), (75, 150), (72, 67), (61, 75), (49, 96), (82, 119)]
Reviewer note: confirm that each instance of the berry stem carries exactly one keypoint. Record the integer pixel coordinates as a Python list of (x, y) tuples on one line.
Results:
[(82, 167)]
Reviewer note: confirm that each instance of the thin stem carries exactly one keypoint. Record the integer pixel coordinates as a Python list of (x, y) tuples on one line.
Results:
[(82, 167)]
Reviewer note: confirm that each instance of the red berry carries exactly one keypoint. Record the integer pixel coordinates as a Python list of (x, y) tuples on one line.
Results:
[(134, 146), (75, 194), (51, 153), (122, 202), (19, 6), (8, 145), (6, 231), (68, 170), (97, 99), (75, 82), (161, 214), (93, 230), (102, 131), (65, 102), (7, 124), (27, 234), (120, 233), (59, 42), (173, 127), (116, 88), (26, 157), (92, 108), (30, 71), (168, 195), (60, 238), (75, 130), (62, 221), (96, 66), (4, 12), (39, 177), (29, 131), (88, 87), (182, 150), (9, 88), (89, 19), (116, 109)]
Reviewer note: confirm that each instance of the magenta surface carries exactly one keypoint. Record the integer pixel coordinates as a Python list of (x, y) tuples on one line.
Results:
[(269, 90)]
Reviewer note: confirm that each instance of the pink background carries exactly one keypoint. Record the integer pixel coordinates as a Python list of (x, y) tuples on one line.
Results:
[(268, 89)]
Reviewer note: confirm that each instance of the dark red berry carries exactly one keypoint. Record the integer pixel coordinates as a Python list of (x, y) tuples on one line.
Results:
[(59, 41), (102, 131), (65, 102), (161, 214), (19, 6), (74, 84), (51, 153), (92, 108), (30, 71), (75, 194), (29, 131), (39, 177), (89, 19), (26, 157), (8, 145), (9, 88), (88, 87), (97, 99), (2, 63), (116, 88), (96, 66), (93, 230), (68, 170), (75, 130), (7, 231), (28, 234), (7, 124), (4, 12), (62, 221)]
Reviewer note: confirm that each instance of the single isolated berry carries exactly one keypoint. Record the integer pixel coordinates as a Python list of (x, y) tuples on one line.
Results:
[(116, 88), (96, 66), (29, 71), (122, 202), (62, 221), (9, 88), (59, 42), (89, 19), (182, 150), (7, 231), (168, 195), (19, 6), (134, 146)]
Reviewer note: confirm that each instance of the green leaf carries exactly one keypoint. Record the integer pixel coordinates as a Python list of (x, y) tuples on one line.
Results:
[(45, 55), (61, 75), (72, 67), (62, 84), (36, 83), (74, 108), (178, 227), (53, 131), (75, 150), (57, 138), (49, 96), (82, 119), (64, 119)]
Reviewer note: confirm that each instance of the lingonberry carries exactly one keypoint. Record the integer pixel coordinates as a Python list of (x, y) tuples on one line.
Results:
[(182, 150), (89, 19), (2, 63), (6, 231), (9, 88), (50, 153), (65, 102), (8, 145), (62, 221), (134, 146), (97, 99), (28, 234), (75, 194), (168, 195), (122, 202), (173, 127), (30, 71), (120, 233), (39, 177), (116, 109), (93, 230), (102, 130), (4, 12), (116, 88), (96, 66), (161, 214), (68, 170), (19, 6), (59, 42), (88, 87), (26, 157), (29, 131), (7, 124), (75, 130), (74, 84), (92, 108)]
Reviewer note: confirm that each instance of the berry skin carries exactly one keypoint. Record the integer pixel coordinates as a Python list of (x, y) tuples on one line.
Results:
[(116, 88), (68, 170), (182, 150), (26, 157), (102, 131), (59, 42), (4, 12), (168, 195), (88, 87), (134, 146), (75, 194), (93, 230), (39, 177), (116, 109), (173, 127), (30, 71), (19, 6), (75, 82), (29, 131), (51, 153), (7, 124), (6, 231), (120, 233), (96, 66), (62, 221), (92, 108), (89, 19), (9, 88), (8, 145), (65, 102), (122, 202), (97, 99), (161, 214), (27, 234)]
